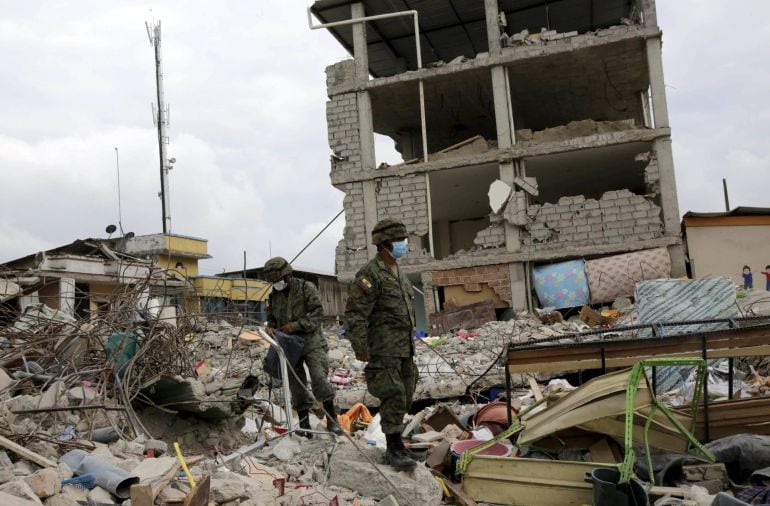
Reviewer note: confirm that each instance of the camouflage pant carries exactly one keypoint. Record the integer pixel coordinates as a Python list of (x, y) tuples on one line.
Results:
[(318, 364), (392, 380)]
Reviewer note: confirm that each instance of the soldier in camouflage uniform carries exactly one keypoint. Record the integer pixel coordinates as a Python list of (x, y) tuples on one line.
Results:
[(379, 321), (295, 308)]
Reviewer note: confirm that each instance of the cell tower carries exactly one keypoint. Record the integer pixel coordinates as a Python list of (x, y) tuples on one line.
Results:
[(161, 119)]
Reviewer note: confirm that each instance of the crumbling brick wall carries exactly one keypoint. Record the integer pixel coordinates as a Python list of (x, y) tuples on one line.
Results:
[(618, 216), (651, 173), (404, 198), (344, 138), (351, 250), (497, 277), (491, 237)]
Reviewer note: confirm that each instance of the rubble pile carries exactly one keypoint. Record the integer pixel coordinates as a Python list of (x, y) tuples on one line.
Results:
[(91, 408), (461, 363)]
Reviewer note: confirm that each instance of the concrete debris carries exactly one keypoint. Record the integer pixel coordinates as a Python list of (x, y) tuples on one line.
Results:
[(351, 470), (545, 36), (498, 195), (574, 129)]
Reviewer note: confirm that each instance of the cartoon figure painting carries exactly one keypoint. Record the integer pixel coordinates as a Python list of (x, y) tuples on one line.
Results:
[(748, 279), (766, 272)]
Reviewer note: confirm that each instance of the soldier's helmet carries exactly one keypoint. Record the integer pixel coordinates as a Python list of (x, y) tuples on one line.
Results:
[(276, 268), (388, 230)]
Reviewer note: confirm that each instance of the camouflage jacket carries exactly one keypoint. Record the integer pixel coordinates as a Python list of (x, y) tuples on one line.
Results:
[(300, 305), (379, 316)]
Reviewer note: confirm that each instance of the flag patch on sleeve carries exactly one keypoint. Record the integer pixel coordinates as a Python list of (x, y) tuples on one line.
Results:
[(365, 285)]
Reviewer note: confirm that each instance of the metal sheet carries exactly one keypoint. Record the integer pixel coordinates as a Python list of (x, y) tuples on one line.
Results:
[(529, 481)]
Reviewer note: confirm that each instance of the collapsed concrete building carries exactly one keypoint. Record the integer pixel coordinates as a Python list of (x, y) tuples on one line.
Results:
[(530, 132)]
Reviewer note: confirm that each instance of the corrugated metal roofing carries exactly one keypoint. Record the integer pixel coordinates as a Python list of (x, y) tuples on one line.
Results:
[(452, 28)]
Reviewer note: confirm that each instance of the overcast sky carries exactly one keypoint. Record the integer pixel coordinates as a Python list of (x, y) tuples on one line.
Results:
[(246, 85)]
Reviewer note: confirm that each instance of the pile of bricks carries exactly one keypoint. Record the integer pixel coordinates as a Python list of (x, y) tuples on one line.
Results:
[(618, 216)]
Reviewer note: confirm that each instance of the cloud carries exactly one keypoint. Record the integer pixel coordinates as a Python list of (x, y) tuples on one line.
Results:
[(714, 83), (246, 85)]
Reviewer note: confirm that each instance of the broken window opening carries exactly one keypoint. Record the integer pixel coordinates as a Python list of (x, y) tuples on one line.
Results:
[(590, 172), (459, 112), (600, 83), (385, 151), (460, 207), (82, 300)]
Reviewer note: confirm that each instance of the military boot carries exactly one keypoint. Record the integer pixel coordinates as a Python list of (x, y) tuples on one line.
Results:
[(395, 456), (331, 418), (304, 423)]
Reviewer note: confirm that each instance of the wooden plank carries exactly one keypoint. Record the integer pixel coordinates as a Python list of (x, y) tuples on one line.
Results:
[(726, 221), (458, 494), (554, 358), (157, 472), (141, 495), (27, 454), (662, 491), (199, 496), (535, 389), (601, 451)]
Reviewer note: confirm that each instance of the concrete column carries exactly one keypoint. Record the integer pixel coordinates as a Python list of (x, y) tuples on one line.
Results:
[(493, 26), (649, 12), (518, 286), (67, 296), (429, 301), (365, 122), (668, 197), (360, 50), (657, 84), (512, 232), (503, 110), (678, 268)]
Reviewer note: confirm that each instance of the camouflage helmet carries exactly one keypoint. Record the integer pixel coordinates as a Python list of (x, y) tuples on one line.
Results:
[(277, 268), (388, 230)]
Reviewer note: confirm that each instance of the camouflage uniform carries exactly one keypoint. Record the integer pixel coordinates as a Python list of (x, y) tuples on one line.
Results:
[(379, 320), (300, 305)]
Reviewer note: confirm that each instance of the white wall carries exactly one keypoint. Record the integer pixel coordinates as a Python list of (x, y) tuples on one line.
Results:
[(723, 251)]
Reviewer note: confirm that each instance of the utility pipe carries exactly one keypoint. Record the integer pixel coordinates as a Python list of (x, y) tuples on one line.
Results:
[(417, 46), (284, 375)]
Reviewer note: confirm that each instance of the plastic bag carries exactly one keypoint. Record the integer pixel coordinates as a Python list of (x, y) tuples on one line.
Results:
[(374, 435)]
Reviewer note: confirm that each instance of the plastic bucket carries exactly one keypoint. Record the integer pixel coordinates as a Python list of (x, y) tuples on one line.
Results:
[(460, 447), (496, 450), (607, 491)]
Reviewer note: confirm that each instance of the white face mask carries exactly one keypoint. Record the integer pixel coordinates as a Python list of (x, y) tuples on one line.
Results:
[(279, 285)]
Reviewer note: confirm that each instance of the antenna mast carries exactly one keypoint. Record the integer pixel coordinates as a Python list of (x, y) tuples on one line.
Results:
[(120, 209), (160, 118)]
